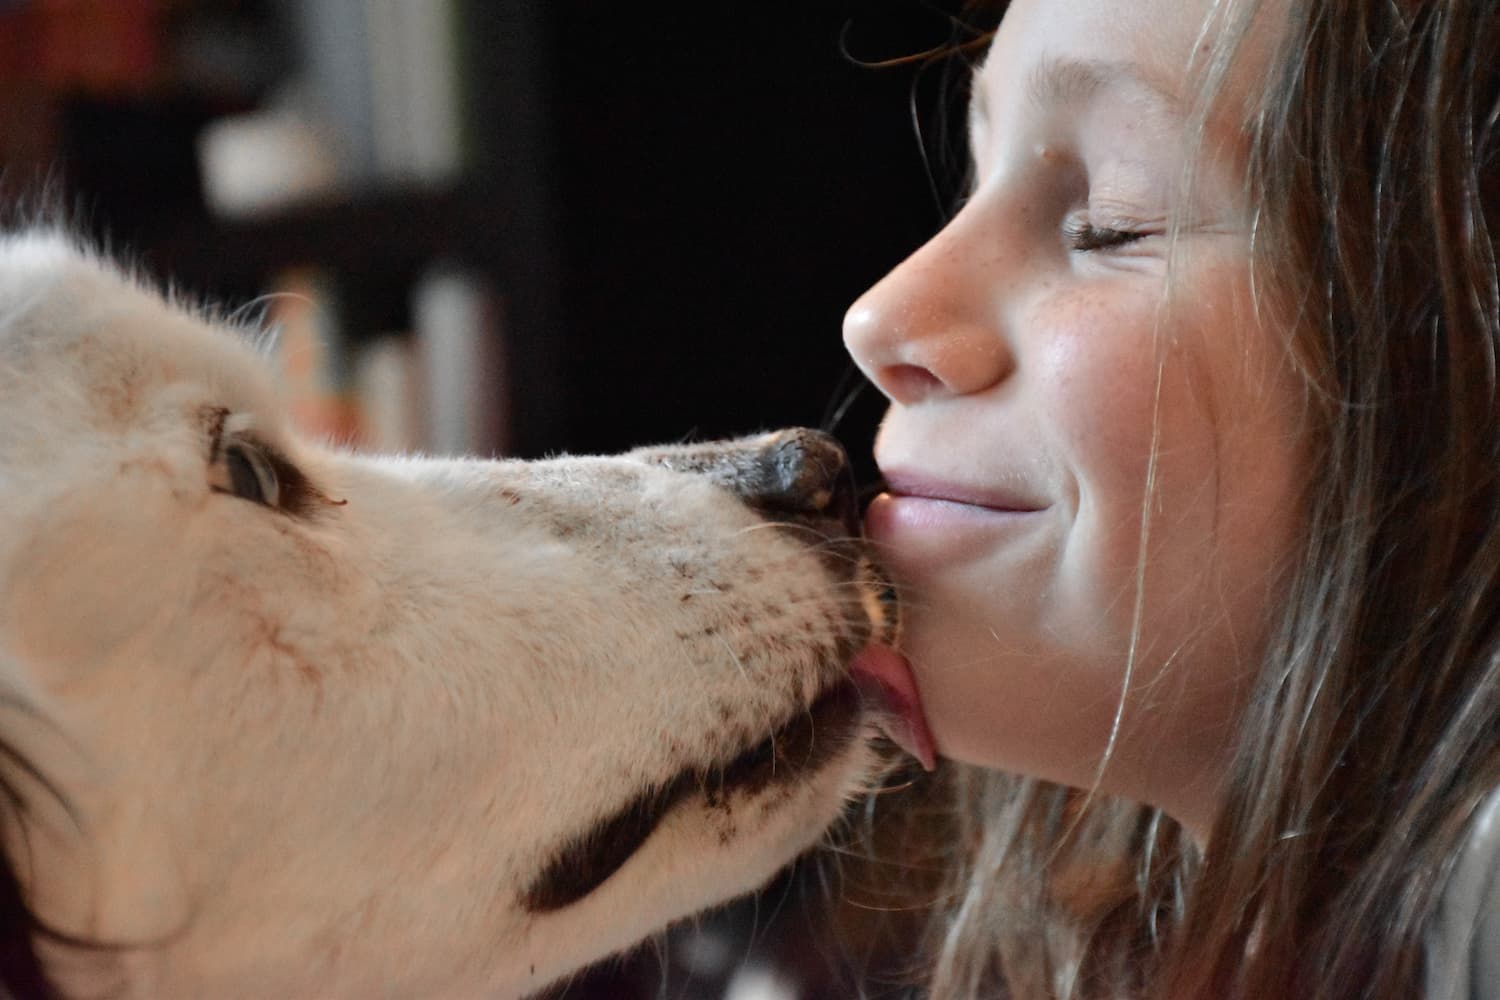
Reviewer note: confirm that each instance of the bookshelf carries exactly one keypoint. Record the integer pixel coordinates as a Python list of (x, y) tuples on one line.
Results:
[(377, 245), (391, 232), (675, 205)]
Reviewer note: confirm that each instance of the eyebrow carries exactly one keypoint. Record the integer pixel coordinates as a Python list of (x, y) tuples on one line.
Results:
[(1061, 81)]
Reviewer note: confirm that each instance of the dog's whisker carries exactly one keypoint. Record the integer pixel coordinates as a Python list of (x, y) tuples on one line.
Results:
[(734, 657), (241, 316)]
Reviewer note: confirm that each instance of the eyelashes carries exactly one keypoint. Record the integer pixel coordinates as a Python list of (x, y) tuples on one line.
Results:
[(1084, 237)]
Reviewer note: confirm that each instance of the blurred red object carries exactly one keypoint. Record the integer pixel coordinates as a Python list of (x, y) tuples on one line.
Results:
[(98, 47)]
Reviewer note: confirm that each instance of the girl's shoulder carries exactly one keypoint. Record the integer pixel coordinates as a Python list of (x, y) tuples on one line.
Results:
[(1463, 944)]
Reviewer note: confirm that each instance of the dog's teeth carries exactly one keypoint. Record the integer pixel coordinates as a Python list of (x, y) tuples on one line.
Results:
[(878, 599)]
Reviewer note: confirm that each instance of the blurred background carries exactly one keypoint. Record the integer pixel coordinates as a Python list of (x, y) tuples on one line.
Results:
[(524, 227)]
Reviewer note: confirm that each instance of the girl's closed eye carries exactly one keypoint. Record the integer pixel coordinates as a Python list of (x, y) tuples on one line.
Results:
[(1084, 236)]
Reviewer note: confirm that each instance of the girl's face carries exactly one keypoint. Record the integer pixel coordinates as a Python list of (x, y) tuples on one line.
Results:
[(1093, 459)]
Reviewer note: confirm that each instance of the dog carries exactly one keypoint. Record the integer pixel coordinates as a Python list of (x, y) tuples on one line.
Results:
[(280, 719)]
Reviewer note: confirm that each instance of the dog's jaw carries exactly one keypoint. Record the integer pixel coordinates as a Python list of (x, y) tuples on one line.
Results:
[(695, 849)]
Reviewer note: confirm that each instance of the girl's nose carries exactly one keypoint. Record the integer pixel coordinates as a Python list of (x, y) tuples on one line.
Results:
[(930, 328)]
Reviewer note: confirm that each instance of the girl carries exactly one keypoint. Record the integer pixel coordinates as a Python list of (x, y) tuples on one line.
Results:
[(1192, 458)]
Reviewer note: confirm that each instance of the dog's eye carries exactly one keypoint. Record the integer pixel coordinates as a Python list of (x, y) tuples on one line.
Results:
[(250, 474)]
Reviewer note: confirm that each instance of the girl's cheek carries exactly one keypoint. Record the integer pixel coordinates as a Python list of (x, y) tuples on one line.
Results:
[(1096, 379)]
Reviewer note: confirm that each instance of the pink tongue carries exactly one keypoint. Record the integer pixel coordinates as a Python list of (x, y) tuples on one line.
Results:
[(884, 677)]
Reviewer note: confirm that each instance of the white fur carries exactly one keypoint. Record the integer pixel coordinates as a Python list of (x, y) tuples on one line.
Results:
[(322, 756)]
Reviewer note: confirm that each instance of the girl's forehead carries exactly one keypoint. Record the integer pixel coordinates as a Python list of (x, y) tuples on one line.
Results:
[(1158, 35), (1057, 54), (1056, 80)]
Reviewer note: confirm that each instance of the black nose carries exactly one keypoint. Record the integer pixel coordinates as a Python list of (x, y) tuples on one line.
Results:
[(798, 474), (803, 474)]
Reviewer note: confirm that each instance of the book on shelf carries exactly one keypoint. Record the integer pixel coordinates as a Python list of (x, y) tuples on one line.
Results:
[(460, 351), (414, 78), (309, 351), (388, 396), (384, 89), (439, 389)]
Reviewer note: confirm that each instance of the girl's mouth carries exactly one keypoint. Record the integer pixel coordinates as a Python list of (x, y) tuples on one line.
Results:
[(919, 487), (944, 518)]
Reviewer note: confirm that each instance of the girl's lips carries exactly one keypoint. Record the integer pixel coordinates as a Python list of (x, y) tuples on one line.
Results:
[(899, 512), (947, 524), (904, 484), (931, 523)]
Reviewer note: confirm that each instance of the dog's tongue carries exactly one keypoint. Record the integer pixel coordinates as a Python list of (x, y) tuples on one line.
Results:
[(884, 677)]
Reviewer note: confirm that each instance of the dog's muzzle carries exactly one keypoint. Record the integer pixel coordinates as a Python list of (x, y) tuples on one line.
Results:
[(800, 478)]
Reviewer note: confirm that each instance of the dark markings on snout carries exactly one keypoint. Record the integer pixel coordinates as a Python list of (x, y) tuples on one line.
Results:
[(797, 749)]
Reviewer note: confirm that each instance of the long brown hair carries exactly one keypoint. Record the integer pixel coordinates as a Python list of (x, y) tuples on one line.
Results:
[(1373, 732)]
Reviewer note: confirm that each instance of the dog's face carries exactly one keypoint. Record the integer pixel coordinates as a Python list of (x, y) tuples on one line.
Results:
[(287, 720)]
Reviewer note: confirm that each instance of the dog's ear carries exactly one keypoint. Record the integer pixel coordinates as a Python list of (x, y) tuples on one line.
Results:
[(25, 729), (91, 864), (18, 686), (21, 972)]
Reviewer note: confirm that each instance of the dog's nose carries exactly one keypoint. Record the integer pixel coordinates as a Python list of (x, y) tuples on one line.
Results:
[(798, 474), (803, 473)]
